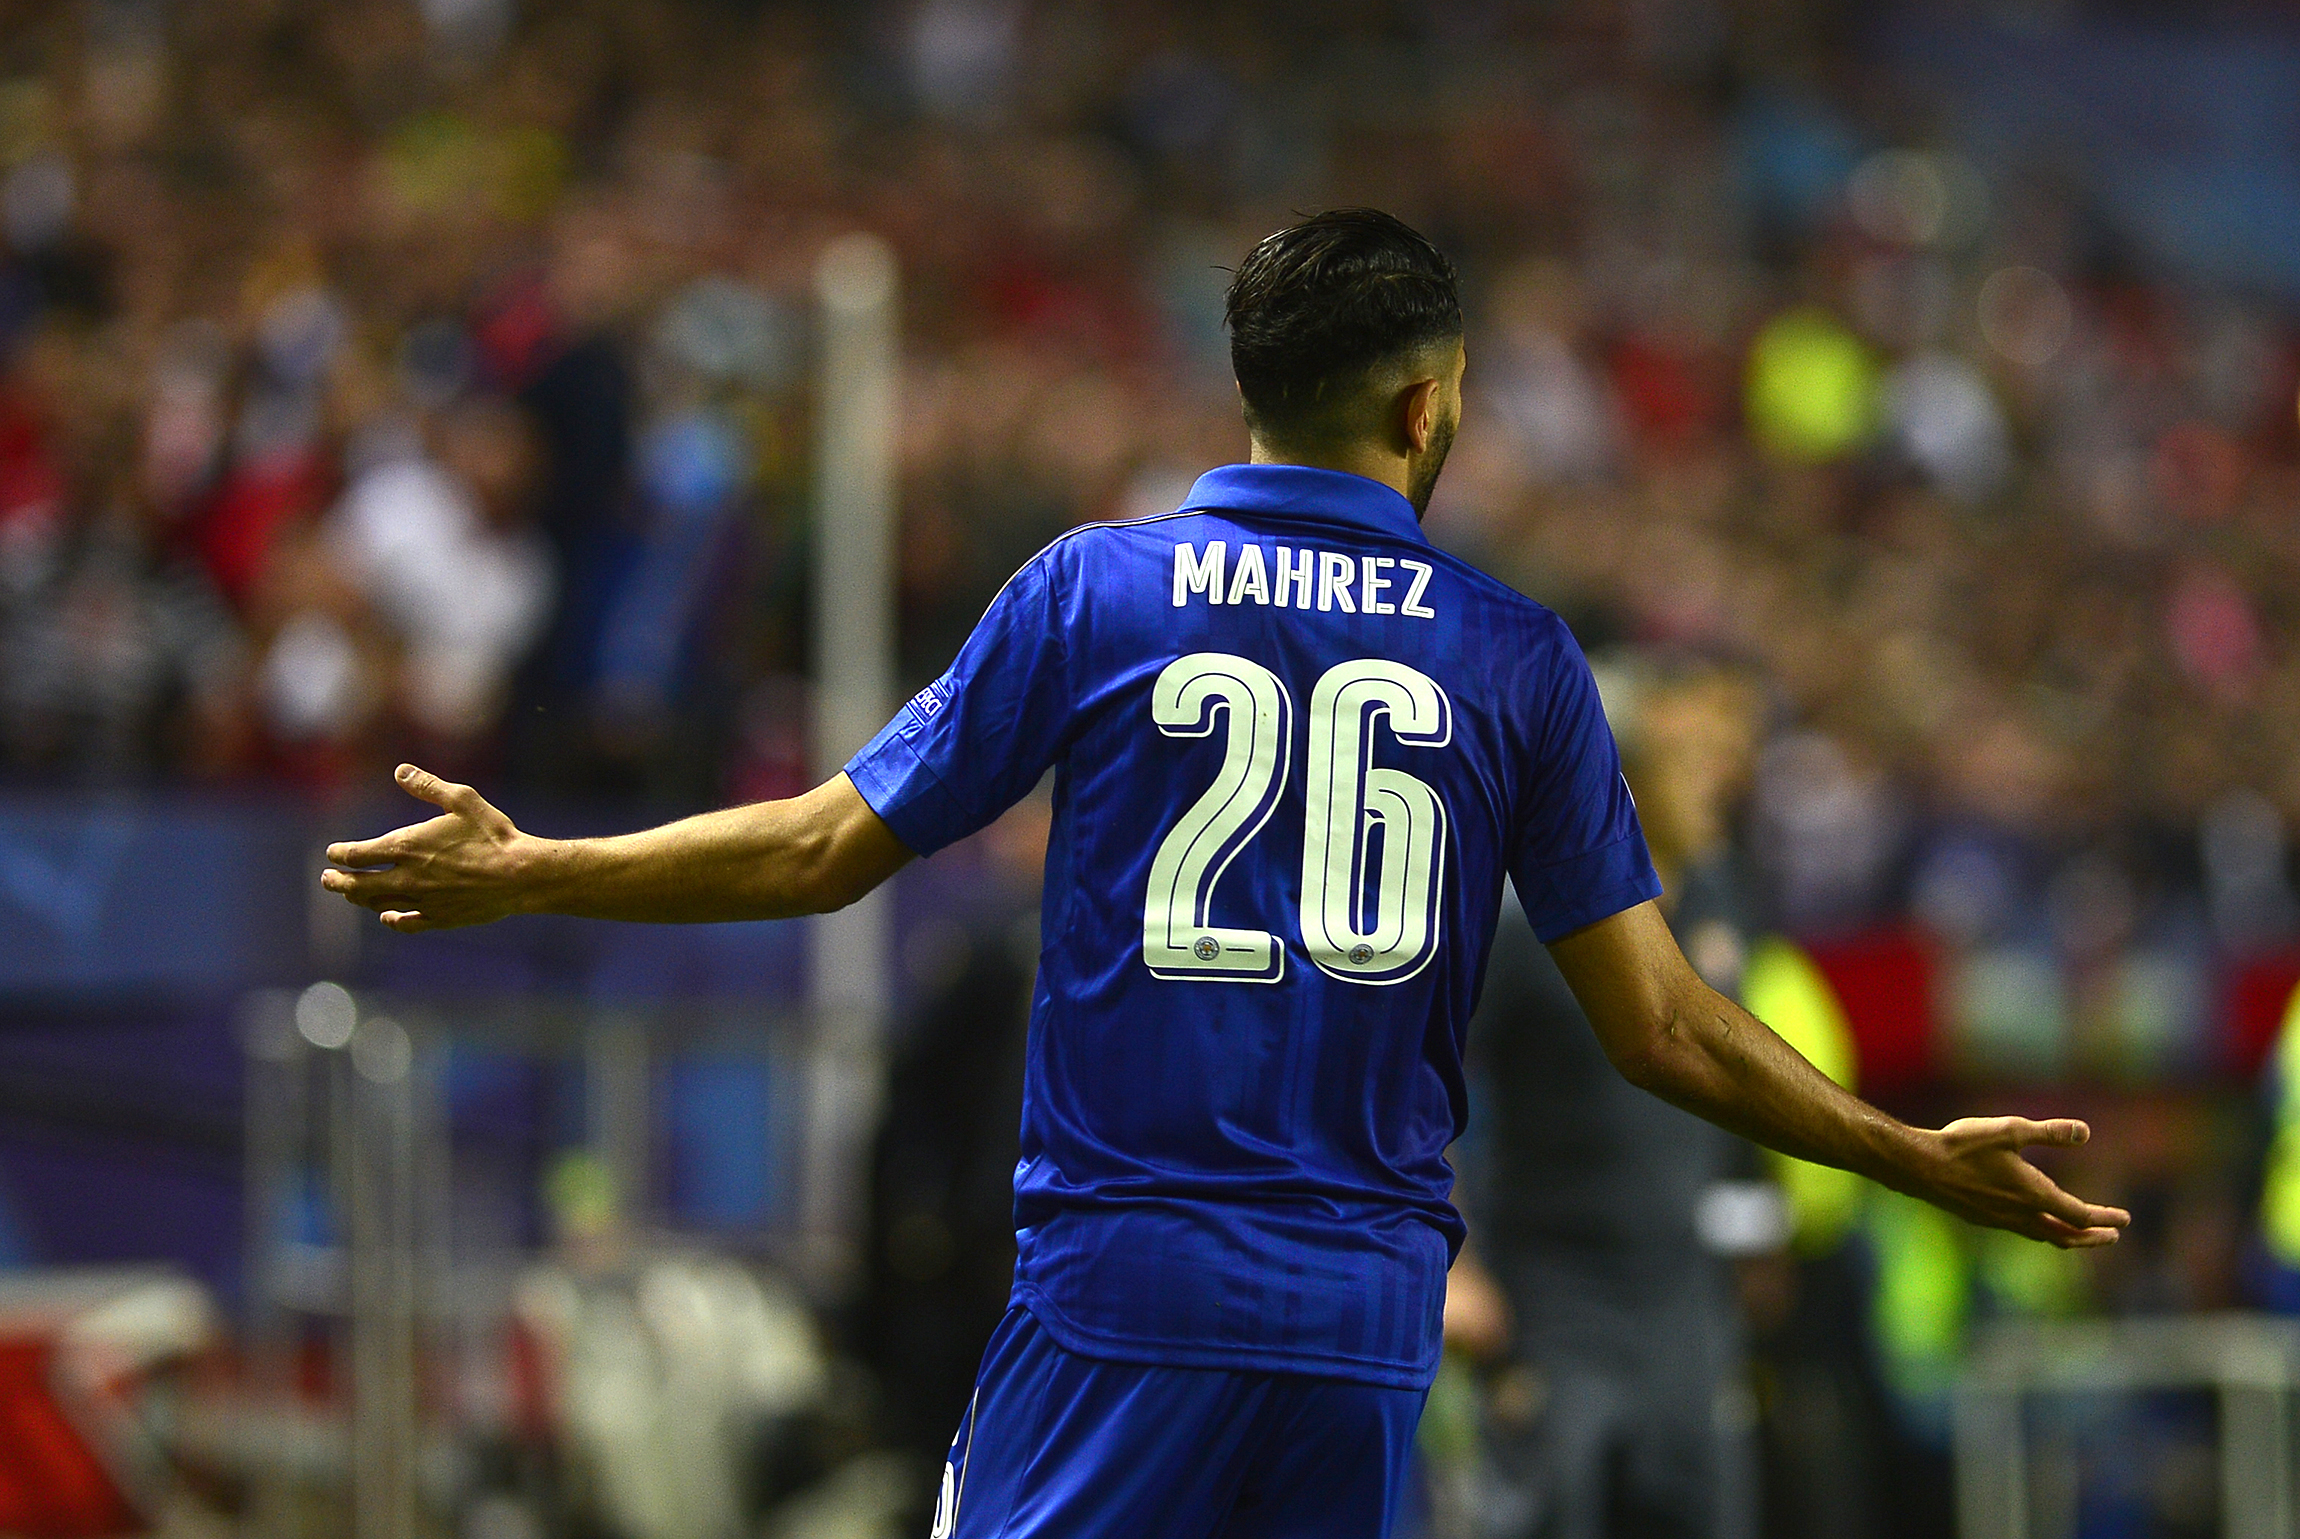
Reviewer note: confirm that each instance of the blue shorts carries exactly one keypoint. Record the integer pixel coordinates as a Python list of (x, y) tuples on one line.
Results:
[(1069, 1447)]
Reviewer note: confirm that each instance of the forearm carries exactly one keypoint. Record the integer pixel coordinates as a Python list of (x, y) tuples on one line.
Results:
[(471, 864), (1672, 1034), (1719, 1062), (770, 860)]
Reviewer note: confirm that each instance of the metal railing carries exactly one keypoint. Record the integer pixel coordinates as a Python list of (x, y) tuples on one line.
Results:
[(2250, 1362)]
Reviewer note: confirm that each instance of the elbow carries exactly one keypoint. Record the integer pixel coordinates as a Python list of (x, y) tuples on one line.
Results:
[(1642, 1063), (1653, 1055), (835, 890), (796, 876), (833, 850), (829, 850), (826, 874)]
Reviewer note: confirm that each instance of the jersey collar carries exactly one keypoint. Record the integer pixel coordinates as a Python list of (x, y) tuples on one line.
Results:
[(1303, 491)]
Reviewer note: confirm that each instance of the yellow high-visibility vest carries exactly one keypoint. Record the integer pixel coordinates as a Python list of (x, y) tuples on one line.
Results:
[(2280, 1192), (1782, 988)]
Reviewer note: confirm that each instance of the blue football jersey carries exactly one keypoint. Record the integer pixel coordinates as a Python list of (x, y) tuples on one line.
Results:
[(1296, 750)]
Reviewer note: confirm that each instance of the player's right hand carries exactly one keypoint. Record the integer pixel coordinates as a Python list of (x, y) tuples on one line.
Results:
[(460, 868), (1978, 1173)]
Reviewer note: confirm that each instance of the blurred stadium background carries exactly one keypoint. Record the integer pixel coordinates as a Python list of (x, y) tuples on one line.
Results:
[(443, 379)]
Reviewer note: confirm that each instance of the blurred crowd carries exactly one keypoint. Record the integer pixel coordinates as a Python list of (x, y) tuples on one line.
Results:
[(435, 379), (432, 377)]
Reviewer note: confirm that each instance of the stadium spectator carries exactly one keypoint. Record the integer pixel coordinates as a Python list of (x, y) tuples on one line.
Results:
[(1619, 1403), (1986, 483), (1988, 476), (118, 663), (436, 539)]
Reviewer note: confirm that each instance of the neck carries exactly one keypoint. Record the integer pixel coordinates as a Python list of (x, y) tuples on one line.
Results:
[(1369, 460)]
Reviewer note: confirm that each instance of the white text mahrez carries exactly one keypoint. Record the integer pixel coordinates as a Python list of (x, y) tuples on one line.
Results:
[(1302, 579)]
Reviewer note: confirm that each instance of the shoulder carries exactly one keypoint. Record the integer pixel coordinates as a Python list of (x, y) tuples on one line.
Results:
[(1073, 558), (1086, 541), (1060, 575), (1512, 618)]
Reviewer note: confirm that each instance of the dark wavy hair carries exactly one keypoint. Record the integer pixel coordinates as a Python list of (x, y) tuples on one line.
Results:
[(1315, 309)]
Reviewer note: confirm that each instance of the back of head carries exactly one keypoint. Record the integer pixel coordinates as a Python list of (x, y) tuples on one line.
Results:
[(1321, 313)]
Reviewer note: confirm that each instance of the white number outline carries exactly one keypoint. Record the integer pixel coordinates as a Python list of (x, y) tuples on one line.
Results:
[(1178, 942), (1346, 797)]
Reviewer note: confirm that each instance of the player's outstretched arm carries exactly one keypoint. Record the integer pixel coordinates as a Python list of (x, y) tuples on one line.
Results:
[(470, 865), (1672, 1034)]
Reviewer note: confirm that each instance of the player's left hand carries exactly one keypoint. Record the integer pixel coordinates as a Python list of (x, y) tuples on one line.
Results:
[(1978, 1173), (460, 868)]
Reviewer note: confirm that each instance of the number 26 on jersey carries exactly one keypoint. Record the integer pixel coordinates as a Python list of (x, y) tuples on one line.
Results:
[(1373, 838)]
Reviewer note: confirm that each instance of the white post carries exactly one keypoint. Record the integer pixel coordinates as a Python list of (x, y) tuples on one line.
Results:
[(854, 688), (379, 1118), (617, 1087), (276, 1106), (1991, 1461), (2255, 1456)]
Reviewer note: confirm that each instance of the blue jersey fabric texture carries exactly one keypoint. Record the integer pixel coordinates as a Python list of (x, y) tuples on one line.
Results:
[(1057, 1444), (1244, 1065)]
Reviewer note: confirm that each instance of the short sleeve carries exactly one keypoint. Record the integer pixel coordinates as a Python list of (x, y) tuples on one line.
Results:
[(1580, 853), (972, 744)]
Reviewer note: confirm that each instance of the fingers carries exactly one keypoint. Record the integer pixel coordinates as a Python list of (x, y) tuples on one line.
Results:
[(2060, 1132), (417, 842), (2017, 1132), (385, 874), (405, 920), (2068, 1238), (378, 890), (421, 783), (380, 851), (2015, 1194), (443, 794), (2073, 1236), (2066, 1208), (368, 889)]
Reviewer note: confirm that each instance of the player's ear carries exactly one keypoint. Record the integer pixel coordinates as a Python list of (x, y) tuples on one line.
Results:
[(1418, 403)]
